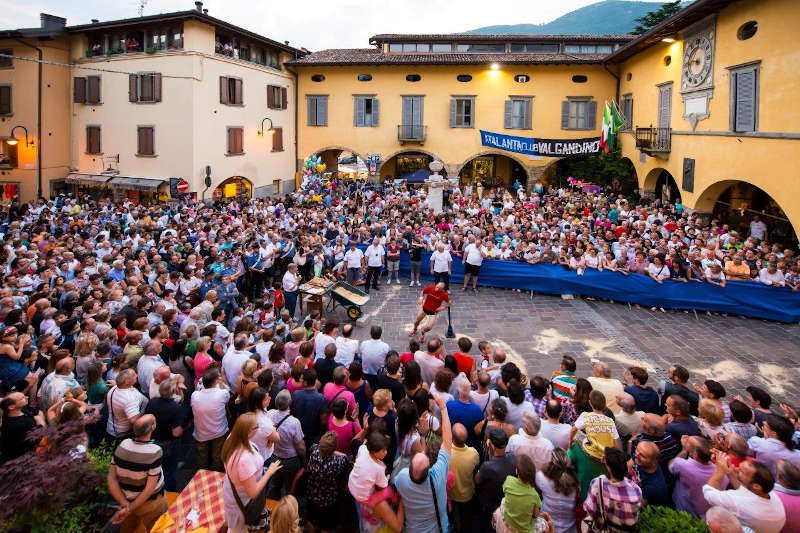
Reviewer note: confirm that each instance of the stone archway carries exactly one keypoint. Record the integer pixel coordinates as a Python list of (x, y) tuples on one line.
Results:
[(233, 187), (516, 159), (384, 160), (660, 183)]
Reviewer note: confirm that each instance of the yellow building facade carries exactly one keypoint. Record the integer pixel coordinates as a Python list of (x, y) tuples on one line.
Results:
[(458, 94), (42, 154), (734, 123)]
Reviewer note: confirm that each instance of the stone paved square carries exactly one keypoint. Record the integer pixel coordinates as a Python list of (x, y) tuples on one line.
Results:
[(536, 332)]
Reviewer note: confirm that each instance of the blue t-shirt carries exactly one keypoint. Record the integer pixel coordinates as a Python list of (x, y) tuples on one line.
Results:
[(646, 398), (418, 500), (468, 414)]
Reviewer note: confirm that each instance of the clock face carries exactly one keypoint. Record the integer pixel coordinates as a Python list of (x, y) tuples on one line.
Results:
[(697, 61)]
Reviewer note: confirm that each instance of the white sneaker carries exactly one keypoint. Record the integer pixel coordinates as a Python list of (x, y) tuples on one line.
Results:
[(418, 285), (411, 284), (389, 281)]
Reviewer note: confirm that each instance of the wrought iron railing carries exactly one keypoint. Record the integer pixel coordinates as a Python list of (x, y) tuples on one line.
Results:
[(654, 139), (411, 132)]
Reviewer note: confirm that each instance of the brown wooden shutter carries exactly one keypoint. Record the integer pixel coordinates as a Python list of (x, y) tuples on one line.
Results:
[(93, 139), (5, 100), (231, 141), (239, 140), (277, 140), (283, 97), (223, 90), (156, 86), (93, 89), (146, 145), (237, 92), (271, 96), (79, 90), (133, 88)]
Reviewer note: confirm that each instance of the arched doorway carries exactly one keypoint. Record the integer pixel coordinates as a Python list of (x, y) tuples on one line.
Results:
[(411, 166), (234, 187), (736, 203), (493, 170), (343, 162), (662, 186), (603, 170)]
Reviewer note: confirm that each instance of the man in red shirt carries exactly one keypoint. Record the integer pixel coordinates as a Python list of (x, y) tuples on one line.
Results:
[(433, 299)]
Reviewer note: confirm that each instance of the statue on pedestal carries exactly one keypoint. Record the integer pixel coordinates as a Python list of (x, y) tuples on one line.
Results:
[(435, 184)]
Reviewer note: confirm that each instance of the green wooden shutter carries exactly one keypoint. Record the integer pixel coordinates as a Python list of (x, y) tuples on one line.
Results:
[(745, 100), (565, 115), (591, 115)]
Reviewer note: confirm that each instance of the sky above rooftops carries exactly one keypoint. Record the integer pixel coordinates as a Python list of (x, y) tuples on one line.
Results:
[(314, 24)]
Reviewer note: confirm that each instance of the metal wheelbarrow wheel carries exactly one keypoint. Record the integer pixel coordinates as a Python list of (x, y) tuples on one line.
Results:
[(354, 312)]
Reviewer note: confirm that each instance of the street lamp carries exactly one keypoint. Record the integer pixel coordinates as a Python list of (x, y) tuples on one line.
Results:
[(270, 130), (13, 140)]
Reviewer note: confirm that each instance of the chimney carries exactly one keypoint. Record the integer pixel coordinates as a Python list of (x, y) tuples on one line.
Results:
[(199, 6), (205, 11), (95, 21), (286, 43), (51, 22)]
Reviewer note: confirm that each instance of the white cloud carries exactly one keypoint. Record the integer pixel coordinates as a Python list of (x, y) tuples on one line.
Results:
[(315, 24)]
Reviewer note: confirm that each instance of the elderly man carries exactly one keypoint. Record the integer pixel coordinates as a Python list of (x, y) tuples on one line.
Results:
[(530, 443), (290, 449), (194, 318), (148, 363), (610, 387), (692, 468), (787, 488), (421, 484), (169, 427), (628, 420), (57, 384), (163, 374), (430, 361), (720, 520), (463, 462), (290, 284), (463, 411), (233, 360), (206, 307), (375, 256), (654, 430), (136, 480), (441, 266), (753, 501), (125, 405), (210, 419), (648, 474)]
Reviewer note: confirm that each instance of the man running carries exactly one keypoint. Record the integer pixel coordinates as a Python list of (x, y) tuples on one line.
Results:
[(433, 300)]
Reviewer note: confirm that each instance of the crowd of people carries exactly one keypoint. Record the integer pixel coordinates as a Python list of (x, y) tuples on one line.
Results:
[(175, 327)]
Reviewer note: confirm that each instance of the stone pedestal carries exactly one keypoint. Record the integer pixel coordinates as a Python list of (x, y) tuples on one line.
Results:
[(435, 184)]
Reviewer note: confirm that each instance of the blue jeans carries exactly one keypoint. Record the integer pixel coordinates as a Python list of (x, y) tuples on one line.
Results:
[(169, 463), (291, 301)]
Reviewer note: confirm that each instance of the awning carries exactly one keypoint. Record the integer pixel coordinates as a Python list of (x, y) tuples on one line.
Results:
[(139, 184), (88, 179)]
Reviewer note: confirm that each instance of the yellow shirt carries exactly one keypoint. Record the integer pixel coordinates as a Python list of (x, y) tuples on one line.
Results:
[(463, 461), (741, 272)]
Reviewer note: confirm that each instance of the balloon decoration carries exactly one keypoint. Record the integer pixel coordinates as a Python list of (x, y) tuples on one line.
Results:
[(314, 184)]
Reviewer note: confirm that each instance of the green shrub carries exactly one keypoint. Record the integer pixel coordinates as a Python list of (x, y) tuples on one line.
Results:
[(653, 518)]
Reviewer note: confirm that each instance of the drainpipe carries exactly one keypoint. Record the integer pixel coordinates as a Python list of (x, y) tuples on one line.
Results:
[(616, 97), (38, 119), (296, 122)]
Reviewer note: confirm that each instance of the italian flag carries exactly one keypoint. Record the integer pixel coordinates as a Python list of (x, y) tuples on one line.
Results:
[(612, 122)]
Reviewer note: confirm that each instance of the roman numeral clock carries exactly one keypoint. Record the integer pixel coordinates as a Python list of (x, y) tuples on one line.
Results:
[(697, 72)]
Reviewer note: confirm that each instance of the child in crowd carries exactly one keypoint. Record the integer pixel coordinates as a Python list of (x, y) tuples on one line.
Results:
[(519, 510), (368, 483), (413, 347), (486, 349)]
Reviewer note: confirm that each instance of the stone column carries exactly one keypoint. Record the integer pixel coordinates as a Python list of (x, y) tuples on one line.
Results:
[(435, 187)]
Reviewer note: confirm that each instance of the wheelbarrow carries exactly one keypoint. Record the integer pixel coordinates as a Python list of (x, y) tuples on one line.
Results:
[(349, 297)]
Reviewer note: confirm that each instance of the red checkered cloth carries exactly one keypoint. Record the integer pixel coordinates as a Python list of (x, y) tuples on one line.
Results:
[(204, 492)]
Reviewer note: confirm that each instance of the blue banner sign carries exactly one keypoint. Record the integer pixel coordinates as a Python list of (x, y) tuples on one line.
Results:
[(542, 147)]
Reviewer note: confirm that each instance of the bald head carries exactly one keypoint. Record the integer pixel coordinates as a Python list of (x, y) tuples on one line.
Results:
[(64, 366), (736, 445), (144, 426), (626, 402), (162, 373), (464, 388), (653, 425), (418, 470), (602, 370), (647, 454), (720, 520), (459, 434), (531, 423)]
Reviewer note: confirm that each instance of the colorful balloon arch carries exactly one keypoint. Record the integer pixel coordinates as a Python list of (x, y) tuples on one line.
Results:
[(314, 183)]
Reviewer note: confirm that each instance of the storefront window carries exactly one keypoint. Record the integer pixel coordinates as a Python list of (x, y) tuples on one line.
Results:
[(409, 163), (8, 154), (9, 191)]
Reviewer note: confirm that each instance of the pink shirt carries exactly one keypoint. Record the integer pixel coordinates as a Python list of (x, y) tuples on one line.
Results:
[(791, 504), (292, 386), (201, 362), (344, 434), (244, 465), (330, 390)]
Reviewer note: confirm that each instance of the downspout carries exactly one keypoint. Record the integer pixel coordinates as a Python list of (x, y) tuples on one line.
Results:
[(616, 96), (296, 122), (38, 119)]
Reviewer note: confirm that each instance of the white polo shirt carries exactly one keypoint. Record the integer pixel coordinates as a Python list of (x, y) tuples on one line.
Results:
[(441, 261), (208, 406), (473, 256), (353, 258), (375, 255)]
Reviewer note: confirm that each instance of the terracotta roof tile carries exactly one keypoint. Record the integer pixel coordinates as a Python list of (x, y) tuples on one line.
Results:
[(373, 56), (387, 37)]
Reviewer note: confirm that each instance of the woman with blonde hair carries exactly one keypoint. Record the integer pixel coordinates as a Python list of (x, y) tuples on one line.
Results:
[(558, 484), (710, 420), (244, 472), (285, 518), (84, 355), (201, 358)]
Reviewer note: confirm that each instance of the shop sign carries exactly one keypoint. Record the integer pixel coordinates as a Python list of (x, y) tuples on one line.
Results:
[(541, 147)]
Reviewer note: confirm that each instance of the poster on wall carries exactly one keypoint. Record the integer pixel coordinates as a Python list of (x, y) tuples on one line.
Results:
[(541, 147)]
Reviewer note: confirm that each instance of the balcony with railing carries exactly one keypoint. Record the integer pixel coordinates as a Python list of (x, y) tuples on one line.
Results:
[(411, 133), (654, 141)]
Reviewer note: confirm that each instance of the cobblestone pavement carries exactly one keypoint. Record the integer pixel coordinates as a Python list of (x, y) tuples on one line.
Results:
[(536, 332)]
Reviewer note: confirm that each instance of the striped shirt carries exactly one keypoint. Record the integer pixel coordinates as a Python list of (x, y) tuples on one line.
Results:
[(135, 462), (563, 384)]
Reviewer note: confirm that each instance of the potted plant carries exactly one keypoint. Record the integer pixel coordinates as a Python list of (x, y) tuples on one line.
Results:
[(57, 487), (150, 50)]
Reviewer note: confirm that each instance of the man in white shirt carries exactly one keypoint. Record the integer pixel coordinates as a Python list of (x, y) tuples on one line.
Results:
[(148, 363), (441, 266), (125, 404), (233, 360), (354, 259), (552, 429), (611, 388), (290, 284), (474, 253), (346, 348), (529, 442), (429, 361), (376, 259), (373, 352), (325, 337), (758, 230), (210, 420), (753, 502), (770, 275)]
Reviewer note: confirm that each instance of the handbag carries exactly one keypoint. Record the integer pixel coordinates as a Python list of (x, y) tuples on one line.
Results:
[(255, 507)]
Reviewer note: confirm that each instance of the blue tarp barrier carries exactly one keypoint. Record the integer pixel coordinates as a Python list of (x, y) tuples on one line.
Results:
[(745, 298)]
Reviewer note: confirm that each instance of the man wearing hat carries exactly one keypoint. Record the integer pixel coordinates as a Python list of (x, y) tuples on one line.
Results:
[(491, 475)]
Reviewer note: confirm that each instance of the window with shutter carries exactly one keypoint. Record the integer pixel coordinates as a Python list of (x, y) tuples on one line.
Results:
[(235, 141), (277, 140), (744, 89), (518, 113), (238, 96), (284, 99), (79, 90), (578, 114), (627, 111), (133, 88), (223, 90), (462, 112), (317, 110), (93, 145), (92, 89), (146, 140), (272, 101), (5, 100)]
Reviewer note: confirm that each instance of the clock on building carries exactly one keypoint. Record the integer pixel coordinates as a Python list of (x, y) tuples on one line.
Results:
[(697, 60), (697, 71)]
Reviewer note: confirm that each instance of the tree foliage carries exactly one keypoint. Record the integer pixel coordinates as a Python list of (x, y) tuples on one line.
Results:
[(602, 169), (666, 520), (656, 17)]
